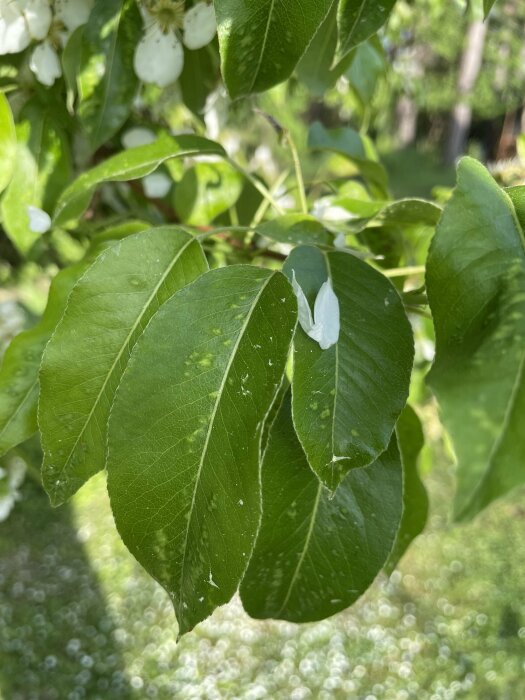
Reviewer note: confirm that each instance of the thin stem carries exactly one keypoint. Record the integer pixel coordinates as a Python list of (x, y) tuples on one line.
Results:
[(265, 204), (257, 184), (298, 172), (405, 271)]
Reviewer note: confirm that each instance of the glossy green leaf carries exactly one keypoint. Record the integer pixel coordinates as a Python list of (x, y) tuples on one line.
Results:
[(262, 41), (476, 290), (42, 170), (71, 57), (296, 229), (369, 64), (19, 370), (7, 142), (347, 142), (106, 81), (410, 439), (316, 553), (185, 431), (128, 165), (347, 399), (358, 20), (409, 212), (199, 78), (106, 313), (205, 191), (487, 6), (517, 195), (315, 69)]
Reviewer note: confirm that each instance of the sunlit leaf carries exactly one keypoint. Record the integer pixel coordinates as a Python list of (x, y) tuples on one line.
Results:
[(316, 553), (106, 313), (296, 229), (346, 400), (128, 165), (205, 191), (185, 432), (7, 142), (358, 20), (476, 290)]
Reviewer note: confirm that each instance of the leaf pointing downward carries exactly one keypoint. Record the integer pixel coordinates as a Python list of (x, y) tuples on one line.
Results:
[(185, 430), (107, 311)]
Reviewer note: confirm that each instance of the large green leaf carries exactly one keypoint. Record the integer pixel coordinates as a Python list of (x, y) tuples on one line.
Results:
[(19, 370), (129, 165), (296, 229), (476, 290), (410, 439), (316, 553), (185, 432), (315, 69), (261, 41), (42, 170), (358, 20), (347, 142), (7, 142), (106, 83), (346, 400), (205, 191), (83, 362)]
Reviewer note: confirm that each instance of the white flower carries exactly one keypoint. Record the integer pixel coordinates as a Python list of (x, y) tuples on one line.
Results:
[(21, 21), (137, 136), (325, 325), (39, 220), (156, 185), (200, 25), (38, 16), (73, 13), (159, 57), (45, 64)]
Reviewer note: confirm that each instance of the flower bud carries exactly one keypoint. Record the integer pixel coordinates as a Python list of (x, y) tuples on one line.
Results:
[(200, 25), (39, 220), (156, 185), (159, 57)]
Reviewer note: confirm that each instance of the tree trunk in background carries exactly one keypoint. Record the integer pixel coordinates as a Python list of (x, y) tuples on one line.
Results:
[(407, 112), (470, 67)]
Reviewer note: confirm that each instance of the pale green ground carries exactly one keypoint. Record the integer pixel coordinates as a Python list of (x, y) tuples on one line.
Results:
[(79, 619)]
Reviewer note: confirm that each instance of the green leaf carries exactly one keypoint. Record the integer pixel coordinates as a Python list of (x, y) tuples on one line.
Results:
[(316, 552), (128, 165), (487, 6), (71, 56), (315, 69), (185, 432), (261, 41), (83, 362), (358, 20), (415, 499), (347, 399), (476, 291), (199, 78), (517, 195), (205, 191), (296, 229), (21, 362), (106, 82), (42, 170), (368, 66), (7, 142), (347, 142)]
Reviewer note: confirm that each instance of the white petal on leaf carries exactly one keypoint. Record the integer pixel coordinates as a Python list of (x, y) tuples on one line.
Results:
[(200, 25), (327, 319), (325, 326), (39, 220), (303, 307)]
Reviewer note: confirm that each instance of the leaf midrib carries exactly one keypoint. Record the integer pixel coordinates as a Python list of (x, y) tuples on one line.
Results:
[(344, 47), (211, 426), (123, 348), (263, 47)]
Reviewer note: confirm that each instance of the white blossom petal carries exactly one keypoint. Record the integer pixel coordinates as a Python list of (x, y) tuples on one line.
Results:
[(200, 25), (73, 13), (156, 185), (38, 15), (39, 220), (159, 57), (303, 307), (327, 321), (14, 32), (137, 136), (45, 64)]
